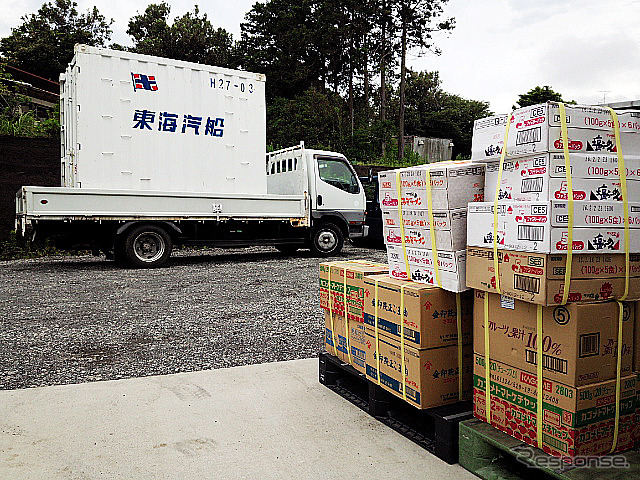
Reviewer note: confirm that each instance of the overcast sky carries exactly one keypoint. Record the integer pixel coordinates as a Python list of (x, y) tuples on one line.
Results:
[(585, 49)]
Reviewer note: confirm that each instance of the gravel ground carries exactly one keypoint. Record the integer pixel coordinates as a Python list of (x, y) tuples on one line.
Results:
[(80, 319)]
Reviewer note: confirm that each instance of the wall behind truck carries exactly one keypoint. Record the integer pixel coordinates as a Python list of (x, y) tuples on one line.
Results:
[(25, 161), (147, 123)]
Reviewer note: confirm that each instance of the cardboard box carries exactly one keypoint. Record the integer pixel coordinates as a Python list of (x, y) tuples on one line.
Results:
[(356, 340), (423, 257), (580, 342), (577, 421), (636, 344), (446, 240), (637, 421), (453, 185), (539, 278), (452, 267), (536, 129), (528, 179), (454, 220), (527, 227), (356, 270), (431, 375), (430, 314)]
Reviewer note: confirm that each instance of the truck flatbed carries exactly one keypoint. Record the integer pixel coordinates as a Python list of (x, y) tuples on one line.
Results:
[(68, 204)]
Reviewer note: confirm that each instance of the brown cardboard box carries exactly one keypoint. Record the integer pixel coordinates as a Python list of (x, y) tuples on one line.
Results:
[(636, 343), (356, 340), (356, 271), (637, 421), (580, 340), (431, 375), (577, 420), (539, 278), (430, 314)]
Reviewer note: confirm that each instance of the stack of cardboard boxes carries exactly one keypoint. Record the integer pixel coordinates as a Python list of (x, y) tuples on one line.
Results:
[(429, 323), (580, 339), (452, 186)]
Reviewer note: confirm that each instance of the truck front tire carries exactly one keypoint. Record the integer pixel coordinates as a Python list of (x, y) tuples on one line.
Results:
[(147, 246), (326, 240)]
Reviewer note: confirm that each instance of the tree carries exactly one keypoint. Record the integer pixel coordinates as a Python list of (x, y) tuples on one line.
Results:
[(539, 95), (287, 41), (431, 112), (191, 37), (43, 43), (416, 22)]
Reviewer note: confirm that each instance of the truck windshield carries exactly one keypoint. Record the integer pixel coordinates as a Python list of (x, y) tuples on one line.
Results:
[(336, 172)]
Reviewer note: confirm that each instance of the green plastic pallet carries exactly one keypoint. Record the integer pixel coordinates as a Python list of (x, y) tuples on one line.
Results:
[(493, 455)]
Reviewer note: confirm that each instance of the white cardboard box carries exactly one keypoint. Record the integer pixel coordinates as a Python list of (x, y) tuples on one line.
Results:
[(536, 129), (528, 227), (453, 281), (454, 220), (528, 179), (446, 240), (423, 257), (453, 185)]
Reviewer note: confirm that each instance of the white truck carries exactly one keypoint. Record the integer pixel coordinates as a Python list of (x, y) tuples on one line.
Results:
[(159, 152)]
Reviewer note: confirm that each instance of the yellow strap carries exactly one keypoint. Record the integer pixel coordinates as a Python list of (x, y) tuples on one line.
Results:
[(540, 380), (459, 321), (567, 174), (622, 172), (503, 154), (376, 330), (434, 249), (404, 245), (487, 367), (333, 330), (404, 376), (346, 314), (616, 427)]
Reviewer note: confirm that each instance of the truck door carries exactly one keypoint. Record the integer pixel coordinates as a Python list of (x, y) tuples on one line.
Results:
[(338, 188)]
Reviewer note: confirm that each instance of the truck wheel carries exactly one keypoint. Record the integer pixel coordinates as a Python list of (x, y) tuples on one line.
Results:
[(326, 240), (147, 246)]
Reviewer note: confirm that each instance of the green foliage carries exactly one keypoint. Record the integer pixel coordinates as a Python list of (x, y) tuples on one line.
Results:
[(43, 43), (190, 37), (13, 121), (11, 248), (539, 95)]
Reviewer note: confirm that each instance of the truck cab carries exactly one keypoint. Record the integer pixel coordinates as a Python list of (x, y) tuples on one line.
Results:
[(336, 198)]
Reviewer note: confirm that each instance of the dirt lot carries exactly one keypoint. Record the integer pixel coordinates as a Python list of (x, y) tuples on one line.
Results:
[(79, 319)]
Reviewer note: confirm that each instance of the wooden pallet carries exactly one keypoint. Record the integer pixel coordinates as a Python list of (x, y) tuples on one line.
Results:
[(491, 454), (434, 429)]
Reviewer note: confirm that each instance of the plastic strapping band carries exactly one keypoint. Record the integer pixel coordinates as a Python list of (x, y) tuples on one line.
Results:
[(401, 220), (459, 321), (404, 375), (567, 174), (432, 232), (346, 315), (376, 330), (487, 364), (539, 380), (616, 427), (503, 154), (622, 172), (333, 330)]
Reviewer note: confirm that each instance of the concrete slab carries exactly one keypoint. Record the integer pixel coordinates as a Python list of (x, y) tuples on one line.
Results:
[(269, 421)]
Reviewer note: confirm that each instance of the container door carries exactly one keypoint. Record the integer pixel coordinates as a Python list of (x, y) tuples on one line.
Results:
[(337, 187)]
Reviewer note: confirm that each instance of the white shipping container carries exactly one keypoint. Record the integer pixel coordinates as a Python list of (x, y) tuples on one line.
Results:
[(138, 122)]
